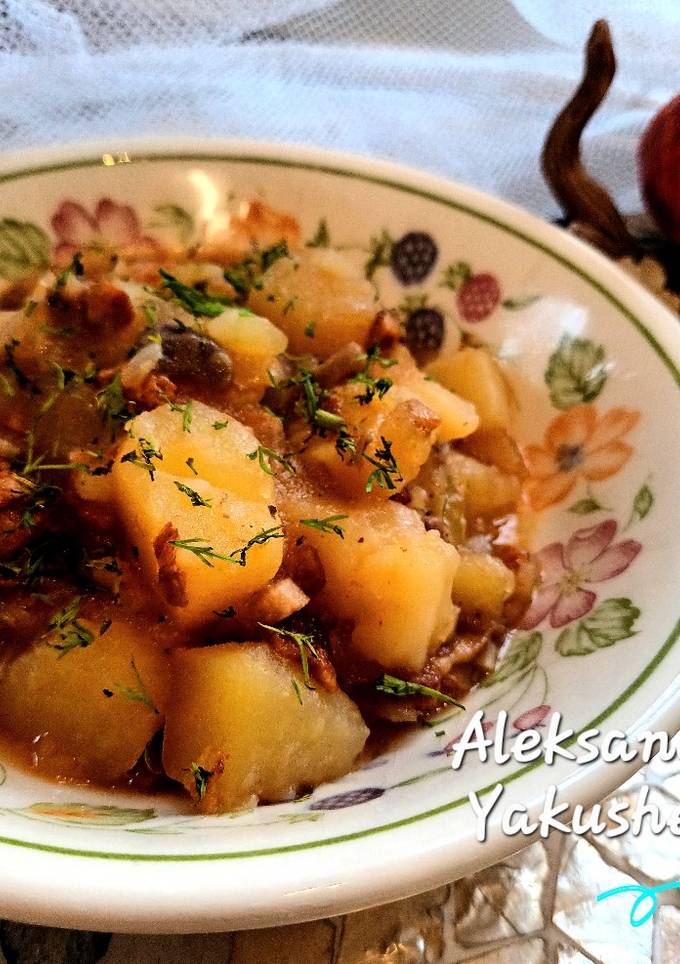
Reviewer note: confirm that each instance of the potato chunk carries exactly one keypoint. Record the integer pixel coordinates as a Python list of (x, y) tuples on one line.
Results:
[(389, 576), (235, 712), (90, 712), (487, 492), (482, 583), (409, 426), (319, 299), (457, 415), (476, 376), (216, 513), (252, 342), (219, 454)]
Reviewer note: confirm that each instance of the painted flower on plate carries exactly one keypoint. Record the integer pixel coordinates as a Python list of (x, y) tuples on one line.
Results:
[(577, 444), (531, 719), (109, 223), (590, 556)]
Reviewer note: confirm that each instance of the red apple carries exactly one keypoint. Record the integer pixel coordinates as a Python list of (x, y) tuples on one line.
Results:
[(659, 169)]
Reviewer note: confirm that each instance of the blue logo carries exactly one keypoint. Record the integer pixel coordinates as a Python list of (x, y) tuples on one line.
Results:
[(645, 904)]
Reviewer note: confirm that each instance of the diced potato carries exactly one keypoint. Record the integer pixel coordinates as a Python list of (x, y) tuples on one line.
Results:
[(482, 583), (93, 488), (475, 375), (389, 576), (496, 447), (219, 455), (252, 342), (319, 291), (90, 712), (398, 417), (457, 416), (487, 492), (235, 712), (169, 507)]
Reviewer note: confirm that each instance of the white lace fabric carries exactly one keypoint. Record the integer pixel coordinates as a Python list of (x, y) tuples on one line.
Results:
[(464, 88)]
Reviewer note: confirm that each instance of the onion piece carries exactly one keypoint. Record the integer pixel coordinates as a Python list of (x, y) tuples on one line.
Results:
[(133, 373)]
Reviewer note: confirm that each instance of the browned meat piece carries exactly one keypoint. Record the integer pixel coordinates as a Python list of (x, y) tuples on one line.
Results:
[(103, 307), (303, 565), (171, 582), (108, 307), (340, 365), (320, 667), (385, 330), (153, 391)]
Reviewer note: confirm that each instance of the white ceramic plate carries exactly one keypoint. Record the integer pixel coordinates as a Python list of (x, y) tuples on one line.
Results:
[(595, 362)]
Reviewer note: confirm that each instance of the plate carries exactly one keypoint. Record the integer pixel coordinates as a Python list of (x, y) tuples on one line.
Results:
[(593, 360)]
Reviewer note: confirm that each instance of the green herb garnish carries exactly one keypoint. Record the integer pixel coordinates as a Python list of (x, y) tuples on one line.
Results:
[(67, 631), (262, 453), (144, 458), (140, 694), (400, 687), (197, 302), (186, 411), (373, 386), (193, 495), (218, 426), (248, 273), (75, 267), (305, 644), (386, 468), (201, 777), (112, 404), (203, 550), (326, 525), (276, 532), (190, 463), (345, 443), (310, 328)]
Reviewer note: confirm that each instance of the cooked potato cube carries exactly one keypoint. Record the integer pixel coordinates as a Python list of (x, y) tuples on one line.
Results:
[(219, 455), (89, 712), (457, 416), (213, 514), (252, 342), (496, 447), (487, 492), (403, 420), (319, 299), (475, 375), (482, 583), (245, 716), (389, 576)]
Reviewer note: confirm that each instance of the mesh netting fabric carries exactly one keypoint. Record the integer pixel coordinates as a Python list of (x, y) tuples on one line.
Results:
[(465, 88)]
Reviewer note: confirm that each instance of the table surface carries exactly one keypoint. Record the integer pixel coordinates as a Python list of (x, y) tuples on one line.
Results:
[(537, 906)]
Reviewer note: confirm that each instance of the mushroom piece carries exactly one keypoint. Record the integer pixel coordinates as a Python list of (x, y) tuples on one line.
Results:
[(193, 360)]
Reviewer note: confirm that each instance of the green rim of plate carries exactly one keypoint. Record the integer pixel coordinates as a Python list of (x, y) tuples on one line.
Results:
[(480, 216)]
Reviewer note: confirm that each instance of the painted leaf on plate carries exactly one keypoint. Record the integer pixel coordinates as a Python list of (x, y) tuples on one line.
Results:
[(102, 816), (586, 506), (642, 504), (608, 623), (24, 247), (576, 372), (174, 218), (523, 651)]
